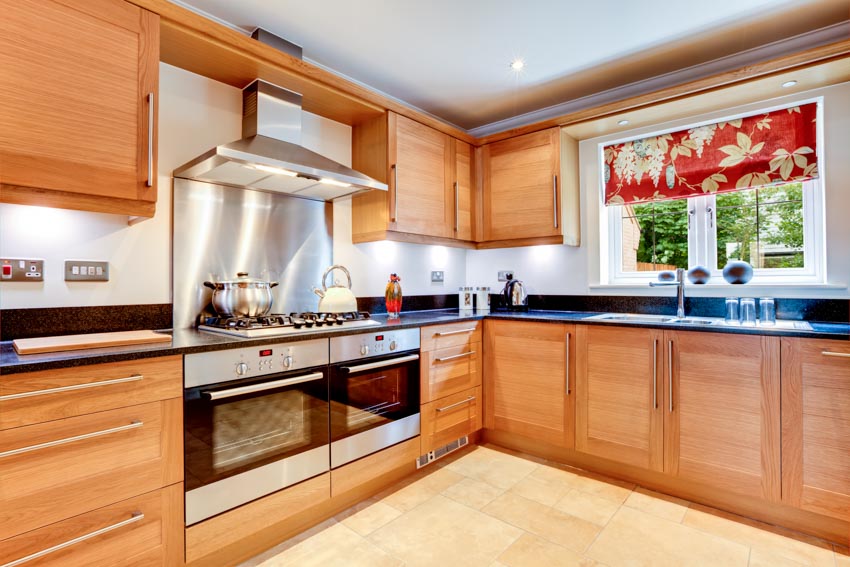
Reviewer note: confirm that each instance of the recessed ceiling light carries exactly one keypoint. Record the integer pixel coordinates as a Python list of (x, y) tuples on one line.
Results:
[(517, 64), (622, 122), (787, 84)]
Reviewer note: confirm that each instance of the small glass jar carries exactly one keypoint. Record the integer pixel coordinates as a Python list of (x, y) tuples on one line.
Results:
[(732, 316), (392, 295), (748, 311), (465, 299), (482, 299), (767, 311)]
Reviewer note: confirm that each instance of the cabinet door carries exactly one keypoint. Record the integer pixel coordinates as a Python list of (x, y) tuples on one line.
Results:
[(450, 418), (462, 191), (620, 394), (75, 110), (816, 426), (419, 160), (721, 411), (521, 186), (528, 389)]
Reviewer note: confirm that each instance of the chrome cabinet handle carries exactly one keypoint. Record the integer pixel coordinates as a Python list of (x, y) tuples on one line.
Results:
[(238, 391), (670, 373), (555, 198), (825, 353), (466, 401), (567, 362), (457, 207), (66, 440), (395, 193), (461, 355), (447, 333), (710, 213), (149, 182), (133, 378), (655, 374), (136, 517), (382, 364)]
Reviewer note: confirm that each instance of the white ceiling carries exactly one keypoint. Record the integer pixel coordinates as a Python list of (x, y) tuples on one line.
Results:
[(451, 57)]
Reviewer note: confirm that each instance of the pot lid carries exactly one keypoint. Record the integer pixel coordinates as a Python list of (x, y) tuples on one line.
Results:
[(242, 278)]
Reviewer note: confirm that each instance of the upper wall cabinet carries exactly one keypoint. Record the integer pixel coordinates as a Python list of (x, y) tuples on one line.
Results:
[(430, 183), (77, 105)]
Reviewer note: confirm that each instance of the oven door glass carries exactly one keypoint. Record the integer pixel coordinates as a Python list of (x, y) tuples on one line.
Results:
[(363, 399), (237, 426)]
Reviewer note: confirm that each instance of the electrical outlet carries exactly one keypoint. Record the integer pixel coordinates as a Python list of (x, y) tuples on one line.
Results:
[(86, 271), (21, 270), (438, 277), (503, 275)]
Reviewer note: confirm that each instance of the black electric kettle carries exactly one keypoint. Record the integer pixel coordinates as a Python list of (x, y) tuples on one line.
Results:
[(514, 296)]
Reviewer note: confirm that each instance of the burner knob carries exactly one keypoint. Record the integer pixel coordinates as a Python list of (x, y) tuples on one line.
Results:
[(364, 350), (393, 345), (242, 369), (287, 361)]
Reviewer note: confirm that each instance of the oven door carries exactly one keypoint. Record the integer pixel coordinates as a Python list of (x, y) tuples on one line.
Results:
[(245, 439), (374, 404)]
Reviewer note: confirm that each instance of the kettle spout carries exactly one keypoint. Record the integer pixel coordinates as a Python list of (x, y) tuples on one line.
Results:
[(318, 292)]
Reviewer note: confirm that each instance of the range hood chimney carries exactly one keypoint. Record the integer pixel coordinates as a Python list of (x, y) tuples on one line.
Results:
[(269, 156)]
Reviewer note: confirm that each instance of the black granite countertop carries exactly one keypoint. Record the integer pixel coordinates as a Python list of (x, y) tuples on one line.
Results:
[(187, 341)]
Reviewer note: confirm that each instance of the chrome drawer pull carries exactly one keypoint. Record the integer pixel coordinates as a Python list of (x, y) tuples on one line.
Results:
[(151, 118), (382, 364), (655, 374), (118, 429), (567, 363), (264, 386), (136, 517), (825, 353), (466, 401), (133, 378), (461, 355), (395, 193), (457, 207), (447, 333), (670, 373), (555, 199)]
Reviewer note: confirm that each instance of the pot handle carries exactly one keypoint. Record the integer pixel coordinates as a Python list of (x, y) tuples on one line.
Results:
[(210, 285), (332, 268)]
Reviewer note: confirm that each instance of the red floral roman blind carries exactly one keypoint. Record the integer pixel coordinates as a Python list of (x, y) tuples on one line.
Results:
[(773, 147)]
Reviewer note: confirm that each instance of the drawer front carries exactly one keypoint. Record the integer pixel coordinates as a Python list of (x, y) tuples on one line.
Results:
[(57, 470), (449, 370), (451, 417), (452, 335), (36, 397), (145, 530)]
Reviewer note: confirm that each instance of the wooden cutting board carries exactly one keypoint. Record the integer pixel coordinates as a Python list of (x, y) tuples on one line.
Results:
[(92, 340)]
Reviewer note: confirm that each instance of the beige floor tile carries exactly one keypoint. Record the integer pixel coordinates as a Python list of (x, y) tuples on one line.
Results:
[(544, 521), (334, 546), (760, 557), (473, 493), (424, 486), (635, 538), (661, 505), (444, 532), (842, 556), (594, 509), (532, 551), (611, 489), (367, 516), (493, 467), (799, 548), (545, 484)]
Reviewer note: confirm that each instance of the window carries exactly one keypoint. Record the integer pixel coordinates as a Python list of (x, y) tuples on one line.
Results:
[(774, 228)]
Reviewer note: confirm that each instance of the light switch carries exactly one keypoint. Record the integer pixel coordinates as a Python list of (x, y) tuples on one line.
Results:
[(86, 271)]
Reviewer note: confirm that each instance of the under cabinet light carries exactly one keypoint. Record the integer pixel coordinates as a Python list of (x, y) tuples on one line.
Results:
[(270, 169), (334, 182)]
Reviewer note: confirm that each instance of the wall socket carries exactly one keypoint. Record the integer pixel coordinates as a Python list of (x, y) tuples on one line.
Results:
[(21, 270), (86, 271), (503, 275), (438, 276)]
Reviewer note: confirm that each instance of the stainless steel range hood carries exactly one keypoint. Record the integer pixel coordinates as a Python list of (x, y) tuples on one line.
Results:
[(269, 157)]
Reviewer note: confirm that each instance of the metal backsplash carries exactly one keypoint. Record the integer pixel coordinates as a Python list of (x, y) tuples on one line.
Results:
[(219, 231)]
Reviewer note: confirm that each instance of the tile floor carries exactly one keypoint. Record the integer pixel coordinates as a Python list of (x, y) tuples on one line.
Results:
[(491, 508)]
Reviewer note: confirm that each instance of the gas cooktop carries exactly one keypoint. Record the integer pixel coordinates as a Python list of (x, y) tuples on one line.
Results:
[(274, 325)]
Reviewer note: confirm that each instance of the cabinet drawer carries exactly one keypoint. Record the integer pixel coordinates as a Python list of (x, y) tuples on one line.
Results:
[(145, 530), (451, 335), (37, 397), (60, 469), (451, 417), (450, 370)]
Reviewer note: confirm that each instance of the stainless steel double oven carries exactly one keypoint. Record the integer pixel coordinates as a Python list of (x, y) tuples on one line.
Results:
[(261, 418)]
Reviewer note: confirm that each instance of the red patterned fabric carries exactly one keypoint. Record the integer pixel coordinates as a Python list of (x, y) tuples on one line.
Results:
[(774, 147)]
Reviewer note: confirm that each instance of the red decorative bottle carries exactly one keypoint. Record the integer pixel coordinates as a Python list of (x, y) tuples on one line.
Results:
[(393, 296)]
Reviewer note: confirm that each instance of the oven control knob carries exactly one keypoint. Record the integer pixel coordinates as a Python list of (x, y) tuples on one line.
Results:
[(364, 350), (287, 361), (242, 369), (393, 345)]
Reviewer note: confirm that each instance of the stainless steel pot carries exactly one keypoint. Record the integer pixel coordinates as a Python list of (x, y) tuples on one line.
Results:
[(242, 297)]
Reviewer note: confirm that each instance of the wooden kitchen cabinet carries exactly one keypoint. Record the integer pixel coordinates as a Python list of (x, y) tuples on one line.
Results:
[(521, 186), (450, 418), (620, 394), (77, 105), (816, 426), (429, 174), (528, 380)]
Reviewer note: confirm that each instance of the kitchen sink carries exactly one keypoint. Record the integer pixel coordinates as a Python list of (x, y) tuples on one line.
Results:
[(632, 318), (691, 321)]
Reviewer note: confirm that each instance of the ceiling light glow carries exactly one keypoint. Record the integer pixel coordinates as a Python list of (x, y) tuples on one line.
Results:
[(517, 64), (622, 122), (787, 84)]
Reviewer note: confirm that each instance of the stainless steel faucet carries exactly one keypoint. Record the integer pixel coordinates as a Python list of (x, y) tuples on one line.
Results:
[(680, 283)]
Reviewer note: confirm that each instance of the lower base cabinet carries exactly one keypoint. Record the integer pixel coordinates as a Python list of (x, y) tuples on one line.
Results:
[(449, 418)]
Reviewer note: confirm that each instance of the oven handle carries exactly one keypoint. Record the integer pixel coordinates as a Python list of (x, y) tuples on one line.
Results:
[(219, 394), (381, 364)]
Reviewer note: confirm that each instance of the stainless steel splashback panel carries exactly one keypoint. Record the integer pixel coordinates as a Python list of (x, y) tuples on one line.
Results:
[(219, 231)]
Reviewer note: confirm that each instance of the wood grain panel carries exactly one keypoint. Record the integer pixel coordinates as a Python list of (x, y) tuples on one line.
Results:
[(816, 426), (162, 378), (463, 334), (441, 374), (371, 468), (52, 483), (619, 395), (442, 424), (464, 207), (525, 375), (156, 539)]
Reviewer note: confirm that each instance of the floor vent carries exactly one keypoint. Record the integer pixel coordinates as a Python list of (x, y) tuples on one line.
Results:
[(429, 458)]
